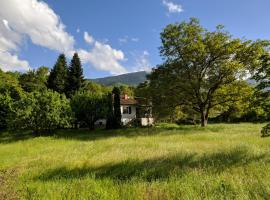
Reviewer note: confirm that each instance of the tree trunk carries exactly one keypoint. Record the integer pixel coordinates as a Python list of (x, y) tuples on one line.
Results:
[(91, 125), (204, 119)]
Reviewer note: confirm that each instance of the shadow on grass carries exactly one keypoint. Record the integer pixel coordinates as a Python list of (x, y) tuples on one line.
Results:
[(87, 135), (158, 168), (76, 134), (8, 137)]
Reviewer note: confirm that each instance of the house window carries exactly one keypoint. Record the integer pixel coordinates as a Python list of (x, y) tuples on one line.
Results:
[(127, 110)]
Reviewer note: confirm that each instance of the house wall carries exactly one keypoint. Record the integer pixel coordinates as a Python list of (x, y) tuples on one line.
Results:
[(101, 122), (147, 121), (128, 117)]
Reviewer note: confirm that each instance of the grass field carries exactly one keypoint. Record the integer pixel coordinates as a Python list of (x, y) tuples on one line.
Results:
[(222, 161)]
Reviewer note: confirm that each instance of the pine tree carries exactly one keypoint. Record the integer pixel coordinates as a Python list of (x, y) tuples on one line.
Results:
[(116, 107), (58, 76), (75, 75)]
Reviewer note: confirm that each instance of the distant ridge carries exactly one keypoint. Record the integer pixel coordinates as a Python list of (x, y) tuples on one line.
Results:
[(132, 79)]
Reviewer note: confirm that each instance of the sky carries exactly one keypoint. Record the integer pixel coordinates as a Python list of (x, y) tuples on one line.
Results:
[(112, 36)]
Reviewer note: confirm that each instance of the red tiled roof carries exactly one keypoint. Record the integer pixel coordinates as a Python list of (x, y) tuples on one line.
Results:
[(128, 102)]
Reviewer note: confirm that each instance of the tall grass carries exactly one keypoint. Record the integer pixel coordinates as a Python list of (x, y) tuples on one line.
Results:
[(221, 161)]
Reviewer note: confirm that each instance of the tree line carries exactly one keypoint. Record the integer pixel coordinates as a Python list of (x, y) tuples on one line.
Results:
[(205, 77), (43, 100)]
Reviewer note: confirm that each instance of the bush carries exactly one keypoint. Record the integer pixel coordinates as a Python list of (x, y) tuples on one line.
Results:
[(40, 112), (5, 108), (266, 131), (88, 107)]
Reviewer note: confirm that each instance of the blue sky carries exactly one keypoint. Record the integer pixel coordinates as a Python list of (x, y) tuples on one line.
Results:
[(115, 36)]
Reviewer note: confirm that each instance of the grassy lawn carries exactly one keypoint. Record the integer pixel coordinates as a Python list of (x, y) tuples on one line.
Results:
[(222, 161)]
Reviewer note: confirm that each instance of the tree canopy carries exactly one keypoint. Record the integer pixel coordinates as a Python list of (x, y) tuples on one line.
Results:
[(75, 75), (198, 64), (57, 80), (40, 112), (88, 107), (34, 80)]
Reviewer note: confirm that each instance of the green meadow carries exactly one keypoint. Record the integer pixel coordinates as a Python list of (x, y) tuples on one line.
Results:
[(221, 161)]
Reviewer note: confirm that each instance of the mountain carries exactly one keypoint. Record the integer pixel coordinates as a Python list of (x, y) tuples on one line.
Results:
[(132, 79)]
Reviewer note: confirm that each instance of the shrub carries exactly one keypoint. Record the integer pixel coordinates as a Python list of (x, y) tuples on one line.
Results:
[(40, 112), (5, 108), (88, 107), (266, 131)]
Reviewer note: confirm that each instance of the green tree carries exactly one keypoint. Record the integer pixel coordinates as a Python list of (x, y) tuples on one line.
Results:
[(40, 112), (10, 91), (90, 86), (236, 109), (75, 75), (126, 89), (34, 80), (88, 107), (5, 109), (57, 79), (9, 83), (116, 108), (262, 76), (198, 63)]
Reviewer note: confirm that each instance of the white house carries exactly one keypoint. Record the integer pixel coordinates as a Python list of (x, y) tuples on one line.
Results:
[(132, 109), (128, 109)]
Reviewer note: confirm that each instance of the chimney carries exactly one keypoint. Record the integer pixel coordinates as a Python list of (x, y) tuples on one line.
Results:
[(126, 96)]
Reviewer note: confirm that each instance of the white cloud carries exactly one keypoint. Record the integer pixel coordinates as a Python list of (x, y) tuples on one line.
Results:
[(146, 53), (172, 7), (142, 62), (123, 40), (9, 41), (33, 19), (126, 39), (78, 30), (9, 62), (104, 57), (88, 38), (6, 24), (36, 20), (135, 39)]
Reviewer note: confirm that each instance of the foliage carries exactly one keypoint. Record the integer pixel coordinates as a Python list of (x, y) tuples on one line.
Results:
[(57, 80), (198, 63), (9, 84), (88, 107), (10, 91), (5, 108), (126, 89), (90, 86), (266, 131), (40, 112), (34, 80), (262, 73), (75, 75), (241, 95), (262, 76)]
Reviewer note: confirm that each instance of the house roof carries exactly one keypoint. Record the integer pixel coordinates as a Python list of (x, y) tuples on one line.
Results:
[(128, 102)]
